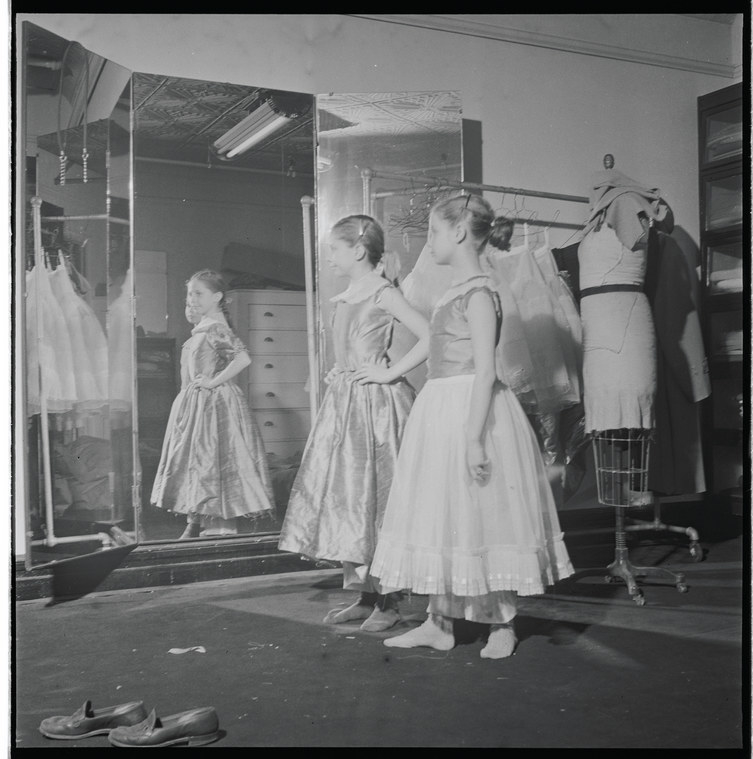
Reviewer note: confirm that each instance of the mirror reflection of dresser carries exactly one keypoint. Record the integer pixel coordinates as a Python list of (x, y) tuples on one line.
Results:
[(272, 324)]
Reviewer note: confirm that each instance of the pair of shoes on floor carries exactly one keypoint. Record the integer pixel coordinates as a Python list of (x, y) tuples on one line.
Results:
[(130, 725)]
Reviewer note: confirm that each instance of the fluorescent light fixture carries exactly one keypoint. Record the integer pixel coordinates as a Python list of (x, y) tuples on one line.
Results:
[(274, 112)]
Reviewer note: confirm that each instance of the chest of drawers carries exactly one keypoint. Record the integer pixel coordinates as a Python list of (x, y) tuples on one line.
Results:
[(272, 325)]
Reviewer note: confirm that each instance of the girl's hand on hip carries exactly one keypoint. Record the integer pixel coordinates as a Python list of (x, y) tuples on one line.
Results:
[(477, 462), (206, 383), (374, 371)]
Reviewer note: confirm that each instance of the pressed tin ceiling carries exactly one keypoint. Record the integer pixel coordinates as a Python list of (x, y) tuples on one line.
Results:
[(178, 119), (391, 113)]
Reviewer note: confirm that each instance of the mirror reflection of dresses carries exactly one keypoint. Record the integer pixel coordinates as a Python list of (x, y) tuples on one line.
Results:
[(213, 465), (338, 499), (48, 347), (88, 342)]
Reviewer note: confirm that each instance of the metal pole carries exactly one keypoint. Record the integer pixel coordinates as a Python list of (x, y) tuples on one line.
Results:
[(306, 203), (372, 174), (366, 176), (36, 205)]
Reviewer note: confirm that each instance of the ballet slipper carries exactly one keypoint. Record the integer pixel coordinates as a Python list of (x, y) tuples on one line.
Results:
[(380, 620), (501, 643), (353, 612), (428, 634)]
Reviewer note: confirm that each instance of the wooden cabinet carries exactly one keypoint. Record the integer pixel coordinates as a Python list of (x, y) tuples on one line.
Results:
[(724, 265), (272, 324)]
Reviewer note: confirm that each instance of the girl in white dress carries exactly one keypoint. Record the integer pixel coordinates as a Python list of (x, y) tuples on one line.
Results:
[(470, 519)]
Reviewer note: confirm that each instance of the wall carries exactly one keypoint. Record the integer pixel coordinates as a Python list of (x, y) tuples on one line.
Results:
[(547, 116)]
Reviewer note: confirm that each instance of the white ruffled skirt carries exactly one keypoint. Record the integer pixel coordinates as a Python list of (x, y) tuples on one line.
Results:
[(446, 533)]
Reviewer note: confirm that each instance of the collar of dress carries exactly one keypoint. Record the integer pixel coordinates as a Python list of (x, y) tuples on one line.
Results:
[(460, 288), (362, 288), (206, 322)]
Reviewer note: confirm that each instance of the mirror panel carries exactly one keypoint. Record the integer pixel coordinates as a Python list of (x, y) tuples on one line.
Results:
[(197, 207), (415, 134), (78, 316)]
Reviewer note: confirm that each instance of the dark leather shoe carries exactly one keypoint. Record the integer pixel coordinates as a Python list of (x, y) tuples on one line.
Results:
[(195, 727), (87, 721)]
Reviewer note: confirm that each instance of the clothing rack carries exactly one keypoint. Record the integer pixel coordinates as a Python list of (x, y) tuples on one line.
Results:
[(414, 184), (50, 538)]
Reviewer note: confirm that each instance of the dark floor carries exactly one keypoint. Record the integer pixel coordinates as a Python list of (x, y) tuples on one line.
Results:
[(592, 669)]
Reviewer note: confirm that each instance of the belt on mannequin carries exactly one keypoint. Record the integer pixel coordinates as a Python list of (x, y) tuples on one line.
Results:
[(611, 289)]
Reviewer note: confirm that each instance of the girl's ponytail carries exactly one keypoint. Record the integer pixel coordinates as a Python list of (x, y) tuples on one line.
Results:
[(501, 232), (224, 307), (389, 266)]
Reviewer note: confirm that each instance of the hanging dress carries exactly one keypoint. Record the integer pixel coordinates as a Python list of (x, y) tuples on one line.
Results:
[(87, 339), (568, 316), (555, 378), (53, 353)]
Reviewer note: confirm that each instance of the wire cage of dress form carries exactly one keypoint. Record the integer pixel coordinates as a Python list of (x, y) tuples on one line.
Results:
[(621, 459)]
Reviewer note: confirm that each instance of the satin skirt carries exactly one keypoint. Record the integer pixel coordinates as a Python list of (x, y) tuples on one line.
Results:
[(338, 498), (213, 461), (443, 532)]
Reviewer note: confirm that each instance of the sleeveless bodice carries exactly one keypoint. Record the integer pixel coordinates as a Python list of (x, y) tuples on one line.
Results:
[(604, 260), (361, 329), (450, 346)]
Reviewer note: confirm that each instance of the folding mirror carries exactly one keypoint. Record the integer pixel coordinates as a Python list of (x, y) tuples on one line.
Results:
[(76, 278), (219, 173), (384, 154)]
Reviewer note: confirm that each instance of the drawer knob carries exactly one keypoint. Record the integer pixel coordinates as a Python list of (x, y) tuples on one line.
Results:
[(268, 313), (268, 340), (269, 424), (269, 366), (270, 394)]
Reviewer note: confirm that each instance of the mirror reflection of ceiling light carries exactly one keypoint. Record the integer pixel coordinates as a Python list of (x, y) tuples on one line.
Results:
[(276, 110)]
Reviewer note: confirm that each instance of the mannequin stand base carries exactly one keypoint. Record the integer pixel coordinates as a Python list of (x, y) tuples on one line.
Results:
[(623, 570), (640, 525)]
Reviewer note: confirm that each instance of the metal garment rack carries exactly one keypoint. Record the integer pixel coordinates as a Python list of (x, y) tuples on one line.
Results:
[(414, 183), (113, 535)]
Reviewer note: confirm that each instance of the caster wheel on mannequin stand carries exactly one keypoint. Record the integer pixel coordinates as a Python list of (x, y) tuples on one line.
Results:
[(638, 599)]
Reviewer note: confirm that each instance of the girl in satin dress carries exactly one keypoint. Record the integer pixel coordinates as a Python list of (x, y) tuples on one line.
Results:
[(470, 519), (213, 465), (339, 494)]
